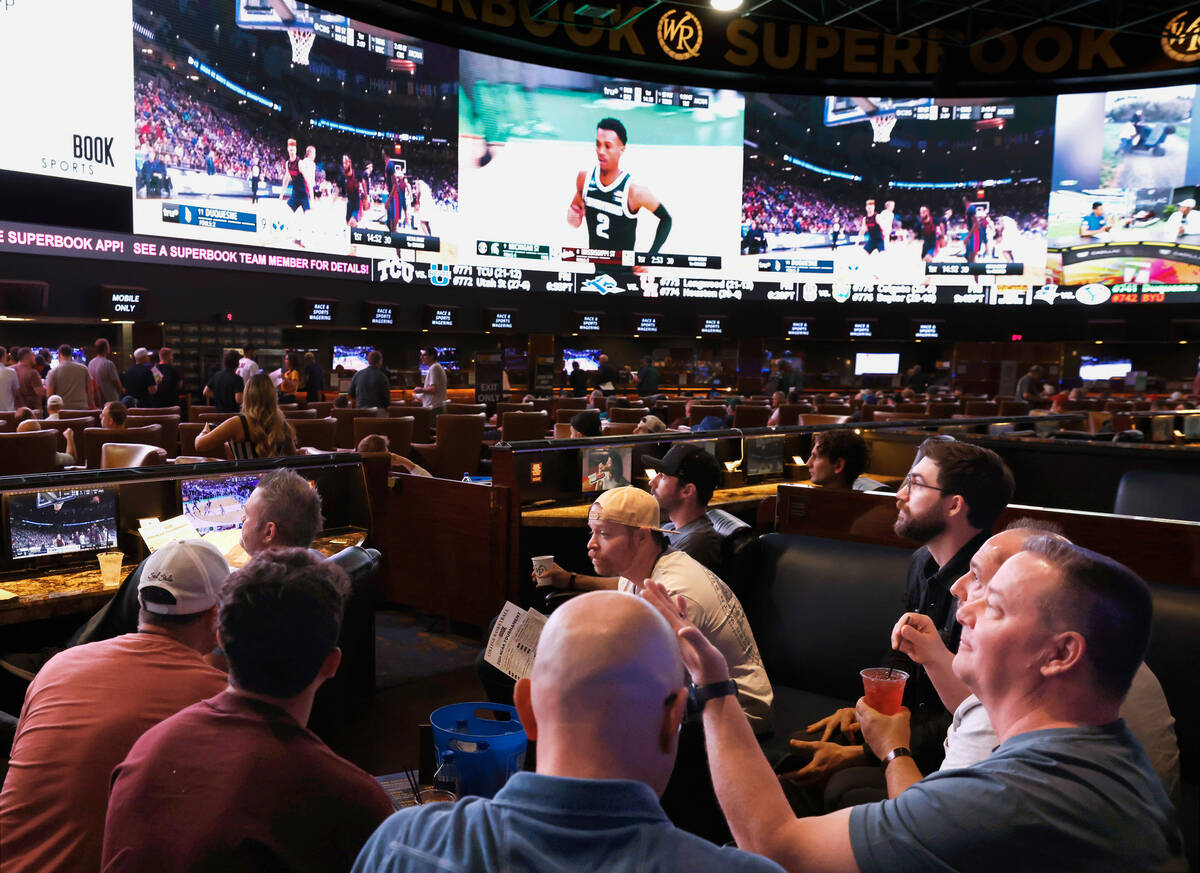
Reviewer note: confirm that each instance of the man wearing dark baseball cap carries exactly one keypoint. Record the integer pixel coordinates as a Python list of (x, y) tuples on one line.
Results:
[(687, 477)]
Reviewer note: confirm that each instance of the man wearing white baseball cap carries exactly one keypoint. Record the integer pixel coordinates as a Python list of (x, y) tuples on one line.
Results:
[(628, 542), (89, 704)]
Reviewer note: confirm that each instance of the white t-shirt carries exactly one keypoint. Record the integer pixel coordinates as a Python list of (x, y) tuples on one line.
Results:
[(435, 378), (716, 611), (8, 385), (247, 368), (971, 738)]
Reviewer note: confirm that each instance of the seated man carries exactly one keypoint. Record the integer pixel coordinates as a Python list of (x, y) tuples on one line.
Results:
[(236, 782), (650, 424), (54, 407), (1050, 647), (114, 415), (283, 511), (778, 399), (61, 459), (628, 543), (687, 477), (838, 460), (949, 501), (593, 804), (87, 706), (376, 442), (971, 736), (585, 424)]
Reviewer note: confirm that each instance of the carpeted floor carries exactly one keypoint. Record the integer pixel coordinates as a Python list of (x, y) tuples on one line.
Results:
[(410, 645)]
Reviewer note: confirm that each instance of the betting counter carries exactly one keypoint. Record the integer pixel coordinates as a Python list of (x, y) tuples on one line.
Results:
[(56, 525)]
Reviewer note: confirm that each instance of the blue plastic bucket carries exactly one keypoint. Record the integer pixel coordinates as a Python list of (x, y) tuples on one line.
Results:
[(488, 742)]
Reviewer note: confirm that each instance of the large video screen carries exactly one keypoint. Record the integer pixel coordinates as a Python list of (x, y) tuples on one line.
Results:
[(67, 76), (274, 123), (351, 357), (1124, 196), (568, 168), (56, 522), (217, 503), (868, 190)]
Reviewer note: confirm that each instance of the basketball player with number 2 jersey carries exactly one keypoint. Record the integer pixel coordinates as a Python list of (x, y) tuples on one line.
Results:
[(609, 201)]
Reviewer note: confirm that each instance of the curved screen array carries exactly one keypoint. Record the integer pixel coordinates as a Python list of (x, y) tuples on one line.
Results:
[(274, 124)]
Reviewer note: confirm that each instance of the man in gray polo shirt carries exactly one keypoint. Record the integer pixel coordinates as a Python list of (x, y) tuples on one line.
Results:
[(1050, 649)]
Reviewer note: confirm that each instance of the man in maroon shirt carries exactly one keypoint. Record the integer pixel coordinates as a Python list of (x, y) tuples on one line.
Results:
[(236, 782), (88, 705), (30, 391)]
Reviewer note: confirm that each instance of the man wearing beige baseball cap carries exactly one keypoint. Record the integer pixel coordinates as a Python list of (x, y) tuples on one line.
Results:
[(89, 704), (628, 542)]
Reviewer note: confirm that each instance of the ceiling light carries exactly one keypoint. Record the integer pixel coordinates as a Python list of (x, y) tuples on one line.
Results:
[(725, 5)]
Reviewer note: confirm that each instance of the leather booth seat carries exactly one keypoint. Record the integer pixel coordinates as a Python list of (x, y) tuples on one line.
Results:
[(823, 609)]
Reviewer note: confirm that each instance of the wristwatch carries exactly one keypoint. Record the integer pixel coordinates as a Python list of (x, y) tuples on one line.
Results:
[(699, 695), (898, 752)]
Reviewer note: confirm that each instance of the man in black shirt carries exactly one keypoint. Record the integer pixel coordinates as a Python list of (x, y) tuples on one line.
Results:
[(314, 386), (224, 389), (1029, 387), (578, 380), (606, 377), (370, 387), (138, 381), (170, 380), (647, 378), (949, 501)]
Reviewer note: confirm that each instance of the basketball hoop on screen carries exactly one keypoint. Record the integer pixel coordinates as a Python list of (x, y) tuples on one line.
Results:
[(881, 126), (301, 39)]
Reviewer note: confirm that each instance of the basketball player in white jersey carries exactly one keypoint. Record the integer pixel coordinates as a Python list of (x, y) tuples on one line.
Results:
[(1006, 237), (609, 200), (422, 205), (886, 219)]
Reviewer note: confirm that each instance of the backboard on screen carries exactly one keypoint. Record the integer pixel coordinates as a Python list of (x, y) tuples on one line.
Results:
[(58, 522)]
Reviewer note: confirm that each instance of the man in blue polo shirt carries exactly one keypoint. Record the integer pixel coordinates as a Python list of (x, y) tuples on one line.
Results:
[(604, 702), (1095, 222)]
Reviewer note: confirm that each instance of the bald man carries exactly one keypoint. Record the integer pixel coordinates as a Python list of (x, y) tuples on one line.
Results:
[(971, 736), (604, 701)]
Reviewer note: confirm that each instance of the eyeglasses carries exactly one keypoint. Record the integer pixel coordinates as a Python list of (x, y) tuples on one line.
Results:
[(910, 483)]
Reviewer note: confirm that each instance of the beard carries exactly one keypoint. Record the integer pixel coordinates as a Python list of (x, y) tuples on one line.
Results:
[(920, 529)]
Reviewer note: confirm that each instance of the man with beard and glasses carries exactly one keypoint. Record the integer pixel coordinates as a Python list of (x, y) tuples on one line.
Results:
[(952, 496)]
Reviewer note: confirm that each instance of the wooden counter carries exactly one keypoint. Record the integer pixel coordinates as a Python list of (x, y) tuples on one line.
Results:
[(83, 590), (729, 499)]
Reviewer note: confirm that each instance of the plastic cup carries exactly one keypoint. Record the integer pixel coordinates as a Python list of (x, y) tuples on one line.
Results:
[(541, 566), (110, 568), (437, 795), (884, 694)]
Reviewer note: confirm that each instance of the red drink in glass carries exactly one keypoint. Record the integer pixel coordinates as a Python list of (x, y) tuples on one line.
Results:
[(883, 692)]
